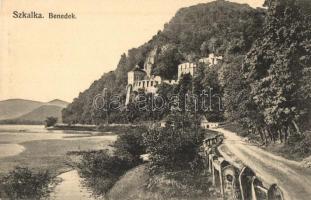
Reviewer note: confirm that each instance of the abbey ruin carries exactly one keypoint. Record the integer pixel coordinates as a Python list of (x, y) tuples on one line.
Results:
[(143, 79)]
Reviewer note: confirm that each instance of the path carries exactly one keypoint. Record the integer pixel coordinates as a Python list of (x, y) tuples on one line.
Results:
[(294, 180)]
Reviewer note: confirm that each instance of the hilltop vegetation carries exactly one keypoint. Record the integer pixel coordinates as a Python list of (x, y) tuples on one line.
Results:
[(264, 79), (272, 97), (222, 27)]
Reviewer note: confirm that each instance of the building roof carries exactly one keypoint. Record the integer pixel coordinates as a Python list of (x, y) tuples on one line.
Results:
[(203, 119)]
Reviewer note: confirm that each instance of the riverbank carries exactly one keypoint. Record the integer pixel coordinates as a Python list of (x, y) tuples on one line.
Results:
[(110, 128), (35, 151), (51, 154)]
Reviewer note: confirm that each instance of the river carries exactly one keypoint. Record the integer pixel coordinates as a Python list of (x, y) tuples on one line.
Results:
[(71, 188), (34, 146)]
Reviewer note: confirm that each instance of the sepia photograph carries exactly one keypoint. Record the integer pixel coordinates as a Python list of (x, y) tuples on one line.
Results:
[(155, 100)]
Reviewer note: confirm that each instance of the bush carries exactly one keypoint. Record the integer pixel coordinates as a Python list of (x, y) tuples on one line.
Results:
[(50, 121), (174, 147), (181, 185), (294, 139), (101, 170), (22, 183), (130, 145), (299, 145)]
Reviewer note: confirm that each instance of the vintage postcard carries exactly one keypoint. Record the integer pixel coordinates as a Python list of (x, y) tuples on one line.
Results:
[(155, 99)]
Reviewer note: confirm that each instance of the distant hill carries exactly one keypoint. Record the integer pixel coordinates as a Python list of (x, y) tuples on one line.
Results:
[(58, 102), (13, 108), (41, 113), (22, 111)]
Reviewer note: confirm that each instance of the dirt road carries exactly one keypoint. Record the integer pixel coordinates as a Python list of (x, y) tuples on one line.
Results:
[(294, 180)]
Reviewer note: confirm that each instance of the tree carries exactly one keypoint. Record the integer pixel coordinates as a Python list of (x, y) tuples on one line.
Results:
[(50, 121), (174, 147), (130, 145), (275, 70), (192, 33), (168, 60), (24, 183), (211, 83)]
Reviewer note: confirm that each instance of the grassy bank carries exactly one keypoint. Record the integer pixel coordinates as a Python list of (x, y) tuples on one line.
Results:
[(297, 148), (134, 185), (101, 169)]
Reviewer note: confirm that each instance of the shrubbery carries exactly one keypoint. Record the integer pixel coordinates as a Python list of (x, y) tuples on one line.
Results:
[(101, 169), (50, 121), (130, 146), (176, 167), (174, 147), (183, 184), (170, 149), (23, 183), (298, 146)]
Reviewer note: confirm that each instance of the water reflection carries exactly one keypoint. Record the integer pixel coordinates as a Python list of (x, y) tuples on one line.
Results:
[(71, 188)]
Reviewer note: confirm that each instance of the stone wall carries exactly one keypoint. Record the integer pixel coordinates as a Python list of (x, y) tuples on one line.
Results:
[(235, 181)]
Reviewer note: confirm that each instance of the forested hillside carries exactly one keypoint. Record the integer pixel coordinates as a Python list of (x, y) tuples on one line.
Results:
[(222, 27), (271, 97)]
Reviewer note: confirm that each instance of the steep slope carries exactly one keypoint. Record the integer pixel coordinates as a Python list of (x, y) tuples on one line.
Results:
[(221, 27), (41, 113), (13, 108), (132, 186)]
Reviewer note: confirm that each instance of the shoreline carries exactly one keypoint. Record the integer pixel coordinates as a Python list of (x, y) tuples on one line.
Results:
[(116, 129), (11, 149), (52, 154)]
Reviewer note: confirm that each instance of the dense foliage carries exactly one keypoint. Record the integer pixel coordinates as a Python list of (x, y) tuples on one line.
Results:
[(50, 121), (263, 81), (184, 184), (130, 146), (271, 94), (176, 168), (23, 183), (174, 147), (101, 169), (221, 27)]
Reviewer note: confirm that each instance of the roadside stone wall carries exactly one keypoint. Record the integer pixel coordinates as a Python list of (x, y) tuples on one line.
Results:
[(235, 182)]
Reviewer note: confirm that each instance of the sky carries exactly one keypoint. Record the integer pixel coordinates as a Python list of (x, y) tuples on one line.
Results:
[(45, 59)]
